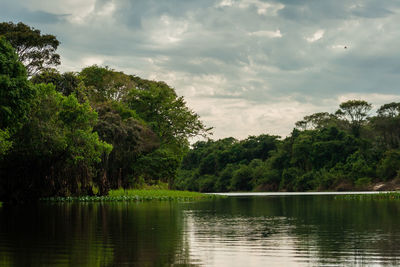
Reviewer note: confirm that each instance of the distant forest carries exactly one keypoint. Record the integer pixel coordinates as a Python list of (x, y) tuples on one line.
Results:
[(86, 132), (347, 150)]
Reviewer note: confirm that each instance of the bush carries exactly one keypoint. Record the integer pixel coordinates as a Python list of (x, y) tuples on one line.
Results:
[(288, 177), (359, 167), (206, 183), (389, 165), (185, 180), (304, 182), (362, 183), (266, 178), (241, 179), (224, 179)]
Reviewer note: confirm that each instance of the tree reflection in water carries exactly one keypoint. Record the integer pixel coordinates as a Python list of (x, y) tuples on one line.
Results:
[(292, 230)]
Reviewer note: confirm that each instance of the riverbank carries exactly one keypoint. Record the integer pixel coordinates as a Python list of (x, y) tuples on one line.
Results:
[(136, 195), (350, 195), (392, 185)]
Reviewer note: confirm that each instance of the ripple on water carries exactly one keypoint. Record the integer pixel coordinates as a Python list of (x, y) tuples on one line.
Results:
[(226, 240), (245, 231)]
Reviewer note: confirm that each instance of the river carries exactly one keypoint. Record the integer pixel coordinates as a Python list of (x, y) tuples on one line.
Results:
[(241, 230)]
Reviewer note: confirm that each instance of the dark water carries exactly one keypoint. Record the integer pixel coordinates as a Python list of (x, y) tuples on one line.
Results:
[(238, 231)]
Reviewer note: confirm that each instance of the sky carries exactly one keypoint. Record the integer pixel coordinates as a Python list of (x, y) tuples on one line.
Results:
[(247, 67)]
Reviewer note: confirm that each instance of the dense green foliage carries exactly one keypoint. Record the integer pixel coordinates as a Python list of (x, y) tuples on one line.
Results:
[(35, 51), (15, 91), (84, 133), (227, 164), (343, 151), (74, 134), (137, 195), (55, 151)]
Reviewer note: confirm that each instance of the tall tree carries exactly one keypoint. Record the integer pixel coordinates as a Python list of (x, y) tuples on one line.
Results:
[(387, 124), (35, 50), (130, 140), (316, 121), (65, 83), (390, 110), (15, 94), (105, 83), (167, 114), (355, 112)]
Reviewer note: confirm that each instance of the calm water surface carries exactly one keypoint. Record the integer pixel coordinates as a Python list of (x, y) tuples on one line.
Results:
[(238, 231)]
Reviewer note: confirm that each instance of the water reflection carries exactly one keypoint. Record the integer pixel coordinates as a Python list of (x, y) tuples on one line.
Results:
[(129, 234), (251, 231), (295, 231)]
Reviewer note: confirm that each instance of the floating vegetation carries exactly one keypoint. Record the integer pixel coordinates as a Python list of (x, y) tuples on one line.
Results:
[(137, 195), (379, 196)]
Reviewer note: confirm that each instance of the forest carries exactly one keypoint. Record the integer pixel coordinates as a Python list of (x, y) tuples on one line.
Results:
[(87, 132), (347, 150)]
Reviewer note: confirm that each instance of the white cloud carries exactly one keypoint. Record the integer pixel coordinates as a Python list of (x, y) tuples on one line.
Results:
[(271, 34), (76, 11), (107, 10), (166, 30), (251, 118), (263, 8), (316, 36), (225, 3), (339, 46), (92, 60)]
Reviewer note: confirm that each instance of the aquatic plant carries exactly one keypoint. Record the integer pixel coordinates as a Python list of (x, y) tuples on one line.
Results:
[(136, 195), (380, 196)]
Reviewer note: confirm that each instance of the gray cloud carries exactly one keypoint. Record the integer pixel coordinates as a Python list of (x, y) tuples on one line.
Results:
[(246, 66), (9, 11)]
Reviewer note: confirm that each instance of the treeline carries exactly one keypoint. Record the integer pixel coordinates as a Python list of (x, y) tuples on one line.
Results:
[(82, 133), (347, 150)]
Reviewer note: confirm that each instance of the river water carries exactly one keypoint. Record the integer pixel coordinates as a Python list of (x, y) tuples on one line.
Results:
[(243, 230)]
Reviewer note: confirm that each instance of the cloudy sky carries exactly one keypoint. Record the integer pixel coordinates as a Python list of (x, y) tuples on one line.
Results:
[(246, 66)]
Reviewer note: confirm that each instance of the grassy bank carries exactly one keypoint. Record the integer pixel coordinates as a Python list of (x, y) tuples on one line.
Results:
[(137, 195), (380, 196)]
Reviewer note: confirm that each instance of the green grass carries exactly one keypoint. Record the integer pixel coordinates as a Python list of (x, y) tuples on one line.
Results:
[(380, 196), (156, 193), (137, 195), (1, 204)]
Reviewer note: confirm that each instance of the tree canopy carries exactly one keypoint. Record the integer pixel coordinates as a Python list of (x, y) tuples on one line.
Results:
[(166, 113), (355, 112), (343, 151), (15, 95), (82, 133), (35, 50), (65, 83)]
